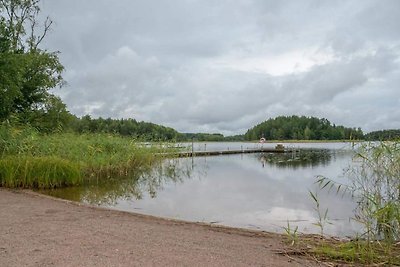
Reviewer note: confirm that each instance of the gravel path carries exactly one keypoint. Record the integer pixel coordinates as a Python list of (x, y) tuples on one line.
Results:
[(37, 230)]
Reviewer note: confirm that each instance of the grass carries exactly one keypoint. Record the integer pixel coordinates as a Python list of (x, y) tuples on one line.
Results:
[(32, 160), (375, 253), (375, 186), (292, 234), (358, 252), (38, 172), (334, 252)]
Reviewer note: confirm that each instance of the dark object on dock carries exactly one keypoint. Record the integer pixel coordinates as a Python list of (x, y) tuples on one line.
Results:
[(279, 147)]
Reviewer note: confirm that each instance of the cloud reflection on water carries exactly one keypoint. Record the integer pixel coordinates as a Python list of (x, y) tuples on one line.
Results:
[(256, 191), (237, 191)]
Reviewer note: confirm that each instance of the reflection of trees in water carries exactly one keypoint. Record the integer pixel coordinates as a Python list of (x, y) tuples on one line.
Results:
[(133, 185), (149, 180), (299, 159)]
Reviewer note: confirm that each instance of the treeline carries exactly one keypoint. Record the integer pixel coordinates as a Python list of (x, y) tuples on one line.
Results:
[(145, 131), (201, 137), (301, 128), (57, 119), (383, 135)]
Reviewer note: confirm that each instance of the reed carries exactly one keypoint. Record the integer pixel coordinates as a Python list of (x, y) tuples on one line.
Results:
[(375, 186), (47, 158), (38, 172)]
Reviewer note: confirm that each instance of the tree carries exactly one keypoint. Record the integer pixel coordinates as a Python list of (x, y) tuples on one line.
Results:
[(10, 77), (295, 127), (307, 133), (27, 73), (51, 116)]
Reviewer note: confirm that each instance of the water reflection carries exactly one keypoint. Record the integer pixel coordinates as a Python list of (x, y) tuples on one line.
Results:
[(257, 191), (299, 159), (107, 192)]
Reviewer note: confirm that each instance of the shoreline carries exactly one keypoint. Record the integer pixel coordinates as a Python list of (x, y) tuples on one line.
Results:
[(212, 226), (40, 230)]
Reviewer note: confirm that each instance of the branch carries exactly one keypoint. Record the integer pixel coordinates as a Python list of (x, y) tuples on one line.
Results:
[(3, 2), (47, 26)]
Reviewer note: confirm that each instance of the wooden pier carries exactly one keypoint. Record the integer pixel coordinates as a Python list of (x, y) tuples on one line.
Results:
[(230, 152)]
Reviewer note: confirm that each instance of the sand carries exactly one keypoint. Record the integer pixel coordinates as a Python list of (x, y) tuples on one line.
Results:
[(37, 230)]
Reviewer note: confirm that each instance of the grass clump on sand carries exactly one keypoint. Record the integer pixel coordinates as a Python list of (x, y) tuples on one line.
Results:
[(335, 252), (358, 251), (32, 160)]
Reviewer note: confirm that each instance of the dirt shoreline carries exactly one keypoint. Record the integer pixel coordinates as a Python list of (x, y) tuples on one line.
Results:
[(38, 230)]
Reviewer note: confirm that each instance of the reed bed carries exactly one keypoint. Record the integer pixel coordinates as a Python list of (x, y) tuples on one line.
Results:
[(30, 159), (38, 172), (374, 177)]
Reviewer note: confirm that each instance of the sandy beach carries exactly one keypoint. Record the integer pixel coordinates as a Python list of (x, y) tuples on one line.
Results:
[(37, 230)]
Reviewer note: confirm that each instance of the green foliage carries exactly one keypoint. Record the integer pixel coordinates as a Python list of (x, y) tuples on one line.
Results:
[(375, 186), (360, 252), (145, 131), (301, 128), (383, 135), (10, 77), (207, 137), (38, 172), (201, 137), (96, 155), (376, 181), (27, 73), (292, 234), (51, 117), (323, 219), (234, 138), (41, 71), (27, 78), (296, 160), (16, 141)]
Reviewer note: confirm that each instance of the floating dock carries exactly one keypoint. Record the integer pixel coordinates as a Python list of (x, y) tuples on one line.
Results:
[(229, 152)]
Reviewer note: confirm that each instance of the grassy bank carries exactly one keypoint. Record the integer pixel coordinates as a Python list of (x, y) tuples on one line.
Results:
[(335, 252), (32, 160)]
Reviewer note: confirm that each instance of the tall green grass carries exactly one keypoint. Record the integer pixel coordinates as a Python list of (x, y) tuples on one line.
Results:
[(30, 159), (375, 186), (38, 172)]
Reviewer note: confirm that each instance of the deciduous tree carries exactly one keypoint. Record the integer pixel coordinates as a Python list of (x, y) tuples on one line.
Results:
[(27, 73)]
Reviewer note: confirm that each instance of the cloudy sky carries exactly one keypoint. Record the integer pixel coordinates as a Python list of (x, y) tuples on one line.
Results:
[(224, 66)]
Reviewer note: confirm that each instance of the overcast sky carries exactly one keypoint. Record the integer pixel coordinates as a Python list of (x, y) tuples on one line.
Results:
[(224, 66)]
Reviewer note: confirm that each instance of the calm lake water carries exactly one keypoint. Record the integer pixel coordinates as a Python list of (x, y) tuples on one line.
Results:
[(261, 191)]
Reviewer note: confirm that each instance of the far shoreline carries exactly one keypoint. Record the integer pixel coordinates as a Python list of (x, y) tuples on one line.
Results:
[(280, 141)]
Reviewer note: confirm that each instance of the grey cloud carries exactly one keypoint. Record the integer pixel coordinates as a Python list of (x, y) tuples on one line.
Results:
[(118, 80), (160, 61)]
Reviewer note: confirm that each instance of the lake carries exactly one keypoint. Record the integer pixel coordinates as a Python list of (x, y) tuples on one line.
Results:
[(263, 191)]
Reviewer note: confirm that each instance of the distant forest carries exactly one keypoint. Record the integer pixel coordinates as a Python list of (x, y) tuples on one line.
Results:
[(279, 128), (58, 119), (301, 128), (144, 131), (383, 135)]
